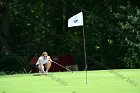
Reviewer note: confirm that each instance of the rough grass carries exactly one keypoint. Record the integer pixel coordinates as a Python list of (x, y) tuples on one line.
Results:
[(101, 81)]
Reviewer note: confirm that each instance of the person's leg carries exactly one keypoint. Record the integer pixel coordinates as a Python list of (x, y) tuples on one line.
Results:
[(47, 66), (41, 68)]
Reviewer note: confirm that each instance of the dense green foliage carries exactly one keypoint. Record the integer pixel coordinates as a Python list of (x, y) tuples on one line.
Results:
[(112, 30)]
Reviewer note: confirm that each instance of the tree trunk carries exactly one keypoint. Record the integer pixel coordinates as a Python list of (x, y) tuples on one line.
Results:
[(4, 27)]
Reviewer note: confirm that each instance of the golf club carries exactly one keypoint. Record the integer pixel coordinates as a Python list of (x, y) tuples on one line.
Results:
[(62, 66)]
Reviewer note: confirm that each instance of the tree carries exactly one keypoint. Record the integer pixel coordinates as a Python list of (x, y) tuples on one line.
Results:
[(4, 26)]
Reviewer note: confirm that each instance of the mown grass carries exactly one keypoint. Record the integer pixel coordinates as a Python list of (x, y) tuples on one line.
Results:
[(100, 81)]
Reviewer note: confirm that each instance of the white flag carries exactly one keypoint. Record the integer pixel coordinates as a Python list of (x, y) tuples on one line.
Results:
[(76, 20)]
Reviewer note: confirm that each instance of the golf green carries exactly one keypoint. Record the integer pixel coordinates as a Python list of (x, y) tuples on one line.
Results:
[(98, 81)]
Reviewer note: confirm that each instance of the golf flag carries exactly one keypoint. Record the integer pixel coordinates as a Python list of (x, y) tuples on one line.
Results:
[(76, 20)]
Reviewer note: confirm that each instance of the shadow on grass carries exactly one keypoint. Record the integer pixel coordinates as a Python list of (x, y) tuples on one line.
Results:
[(36, 75)]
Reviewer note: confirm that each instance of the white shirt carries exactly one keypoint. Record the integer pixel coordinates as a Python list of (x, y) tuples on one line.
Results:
[(43, 60)]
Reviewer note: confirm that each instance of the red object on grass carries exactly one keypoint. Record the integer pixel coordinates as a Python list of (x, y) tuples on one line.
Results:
[(64, 60)]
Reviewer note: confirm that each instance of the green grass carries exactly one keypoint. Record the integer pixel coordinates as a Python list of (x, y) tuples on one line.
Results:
[(100, 81)]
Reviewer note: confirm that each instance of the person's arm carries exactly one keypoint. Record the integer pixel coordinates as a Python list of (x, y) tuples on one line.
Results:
[(39, 61), (49, 59)]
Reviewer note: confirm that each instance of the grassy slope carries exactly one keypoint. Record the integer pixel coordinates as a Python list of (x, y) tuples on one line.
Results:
[(103, 81)]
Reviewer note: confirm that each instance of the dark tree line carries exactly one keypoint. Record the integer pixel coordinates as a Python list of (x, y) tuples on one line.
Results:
[(112, 30)]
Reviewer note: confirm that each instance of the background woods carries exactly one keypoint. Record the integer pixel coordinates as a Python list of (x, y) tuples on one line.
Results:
[(112, 29)]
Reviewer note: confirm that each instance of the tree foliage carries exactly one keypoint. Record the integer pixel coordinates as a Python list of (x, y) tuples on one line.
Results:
[(112, 30)]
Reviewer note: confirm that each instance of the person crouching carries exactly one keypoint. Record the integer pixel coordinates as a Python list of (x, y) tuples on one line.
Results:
[(44, 61)]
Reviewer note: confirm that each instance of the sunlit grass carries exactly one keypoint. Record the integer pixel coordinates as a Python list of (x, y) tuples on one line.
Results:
[(101, 81)]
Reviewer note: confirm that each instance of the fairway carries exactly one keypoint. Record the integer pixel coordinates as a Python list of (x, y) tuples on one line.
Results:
[(99, 81)]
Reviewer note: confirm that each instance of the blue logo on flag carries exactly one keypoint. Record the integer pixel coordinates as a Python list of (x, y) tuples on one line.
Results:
[(75, 20)]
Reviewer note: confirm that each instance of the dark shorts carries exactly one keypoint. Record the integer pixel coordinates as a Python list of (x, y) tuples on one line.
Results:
[(38, 65), (43, 65)]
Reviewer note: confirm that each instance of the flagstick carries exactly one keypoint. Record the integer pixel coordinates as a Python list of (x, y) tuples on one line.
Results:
[(77, 20), (85, 53)]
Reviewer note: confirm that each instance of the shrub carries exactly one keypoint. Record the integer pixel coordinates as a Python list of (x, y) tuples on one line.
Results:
[(11, 63)]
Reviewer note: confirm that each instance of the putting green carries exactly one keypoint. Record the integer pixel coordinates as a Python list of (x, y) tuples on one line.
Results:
[(99, 81)]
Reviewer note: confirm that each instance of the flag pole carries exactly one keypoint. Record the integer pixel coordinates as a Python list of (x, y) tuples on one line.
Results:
[(85, 52), (77, 20)]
